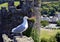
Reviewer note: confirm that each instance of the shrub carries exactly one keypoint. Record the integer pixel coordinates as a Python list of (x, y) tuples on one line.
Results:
[(35, 35), (58, 23), (50, 8), (58, 37), (44, 10), (44, 23), (52, 39), (43, 40)]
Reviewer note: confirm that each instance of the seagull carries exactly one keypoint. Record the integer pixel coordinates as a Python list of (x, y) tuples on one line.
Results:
[(22, 27)]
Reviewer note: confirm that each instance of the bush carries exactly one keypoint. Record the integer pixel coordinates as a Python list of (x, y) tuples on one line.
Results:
[(44, 23), (58, 37), (52, 39), (35, 35), (58, 23), (50, 8), (43, 40), (51, 11), (44, 10)]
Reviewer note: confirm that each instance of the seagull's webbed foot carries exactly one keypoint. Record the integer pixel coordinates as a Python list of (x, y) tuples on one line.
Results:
[(21, 35), (12, 36)]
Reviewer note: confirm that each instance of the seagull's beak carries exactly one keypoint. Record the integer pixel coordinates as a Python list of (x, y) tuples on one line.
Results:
[(31, 18)]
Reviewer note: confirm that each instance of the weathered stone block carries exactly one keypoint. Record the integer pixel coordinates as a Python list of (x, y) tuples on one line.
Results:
[(23, 39), (12, 9), (0, 17), (17, 39), (3, 9), (10, 2)]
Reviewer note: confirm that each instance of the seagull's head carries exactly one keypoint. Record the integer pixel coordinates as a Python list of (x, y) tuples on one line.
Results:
[(25, 17)]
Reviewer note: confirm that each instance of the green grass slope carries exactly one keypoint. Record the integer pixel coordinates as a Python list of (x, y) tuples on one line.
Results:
[(16, 3), (47, 34)]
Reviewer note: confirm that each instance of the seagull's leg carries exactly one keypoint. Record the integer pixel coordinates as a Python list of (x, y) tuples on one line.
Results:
[(21, 35), (12, 35)]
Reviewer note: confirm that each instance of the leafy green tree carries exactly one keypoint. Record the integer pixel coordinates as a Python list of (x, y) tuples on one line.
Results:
[(58, 9), (50, 8), (51, 11), (44, 10)]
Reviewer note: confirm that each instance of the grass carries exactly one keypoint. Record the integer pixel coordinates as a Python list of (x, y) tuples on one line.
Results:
[(16, 3), (48, 33), (50, 2)]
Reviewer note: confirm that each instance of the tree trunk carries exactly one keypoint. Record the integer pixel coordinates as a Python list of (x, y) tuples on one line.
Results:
[(36, 27)]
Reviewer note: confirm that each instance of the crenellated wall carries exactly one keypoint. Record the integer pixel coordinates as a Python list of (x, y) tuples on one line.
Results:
[(13, 16)]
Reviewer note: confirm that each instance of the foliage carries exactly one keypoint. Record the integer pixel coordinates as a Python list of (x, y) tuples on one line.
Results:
[(48, 35), (44, 10), (58, 23), (32, 20), (43, 40), (51, 39), (50, 8), (44, 23), (58, 37), (35, 35)]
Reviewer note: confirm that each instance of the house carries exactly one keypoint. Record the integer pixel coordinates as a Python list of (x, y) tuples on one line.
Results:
[(52, 26), (53, 19), (50, 18), (58, 15), (45, 18)]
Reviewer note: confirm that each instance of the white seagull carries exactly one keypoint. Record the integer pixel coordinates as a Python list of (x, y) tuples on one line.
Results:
[(22, 27)]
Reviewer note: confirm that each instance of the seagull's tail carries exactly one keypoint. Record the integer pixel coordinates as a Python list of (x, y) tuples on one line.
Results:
[(13, 29)]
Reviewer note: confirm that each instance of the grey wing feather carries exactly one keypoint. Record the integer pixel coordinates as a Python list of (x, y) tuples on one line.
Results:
[(19, 29)]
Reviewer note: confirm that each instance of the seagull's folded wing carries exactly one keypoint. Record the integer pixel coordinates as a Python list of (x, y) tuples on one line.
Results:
[(18, 29)]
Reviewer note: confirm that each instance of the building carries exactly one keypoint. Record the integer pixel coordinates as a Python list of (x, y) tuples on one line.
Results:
[(53, 19), (58, 15), (50, 18), (45, 18)]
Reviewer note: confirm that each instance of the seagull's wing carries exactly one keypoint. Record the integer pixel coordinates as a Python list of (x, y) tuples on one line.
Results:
[(18, 29)]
